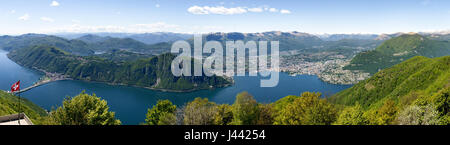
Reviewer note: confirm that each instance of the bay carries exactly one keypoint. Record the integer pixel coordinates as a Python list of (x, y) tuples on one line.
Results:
[(131, 103)]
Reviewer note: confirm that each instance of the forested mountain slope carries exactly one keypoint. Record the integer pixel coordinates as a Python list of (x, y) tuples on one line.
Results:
[(396, 50), (154, 72), (404, 82)]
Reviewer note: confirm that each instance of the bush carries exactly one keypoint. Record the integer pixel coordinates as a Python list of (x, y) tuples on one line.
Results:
[(418, 115)]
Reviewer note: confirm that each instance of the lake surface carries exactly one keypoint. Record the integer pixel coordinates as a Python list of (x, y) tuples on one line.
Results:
[(131, 103)]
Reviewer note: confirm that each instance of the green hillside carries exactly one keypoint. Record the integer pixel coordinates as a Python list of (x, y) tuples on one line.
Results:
[(151, 72), (9, 104), (396, 50), (404, 82)]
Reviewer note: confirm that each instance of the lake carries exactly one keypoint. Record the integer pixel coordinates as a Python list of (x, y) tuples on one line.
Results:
[(131, 103)]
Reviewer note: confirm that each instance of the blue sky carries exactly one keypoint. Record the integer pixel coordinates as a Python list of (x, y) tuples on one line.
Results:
[(201, 16)]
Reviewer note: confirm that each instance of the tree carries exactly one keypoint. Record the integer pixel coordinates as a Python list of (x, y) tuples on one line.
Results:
[(308, 109), (352, 116), (84, 109), (418, 115), (200, 112), (224, 115), (162, 109), (279, 106), (167, 119), (387, 112), (384, 115), (265, 114), (245, 110)]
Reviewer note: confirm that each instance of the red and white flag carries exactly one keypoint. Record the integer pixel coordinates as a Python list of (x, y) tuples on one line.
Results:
[(15, 87)]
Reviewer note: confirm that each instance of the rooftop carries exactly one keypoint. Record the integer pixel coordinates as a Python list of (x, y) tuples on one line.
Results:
[(15, 119)]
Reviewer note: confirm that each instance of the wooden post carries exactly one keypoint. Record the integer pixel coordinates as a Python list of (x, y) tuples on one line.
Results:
[(19, 106)]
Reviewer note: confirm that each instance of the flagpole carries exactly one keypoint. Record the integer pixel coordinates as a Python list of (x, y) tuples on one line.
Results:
[(19, 106)]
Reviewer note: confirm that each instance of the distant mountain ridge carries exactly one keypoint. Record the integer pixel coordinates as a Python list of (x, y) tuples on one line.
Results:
[(27, 40), (337, 37), (154, 38), (293, 43), (297, 42), (147, 38), (84, 46), (90, 38)]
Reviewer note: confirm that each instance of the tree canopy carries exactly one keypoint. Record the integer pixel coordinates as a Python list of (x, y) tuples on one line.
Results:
[(163, 110), (84, 109)]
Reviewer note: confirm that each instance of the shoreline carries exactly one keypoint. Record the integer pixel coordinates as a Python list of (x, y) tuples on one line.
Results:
[(321, 78), (61, 77)]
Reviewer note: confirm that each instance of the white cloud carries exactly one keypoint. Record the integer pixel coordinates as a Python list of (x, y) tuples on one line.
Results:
[(157, 5), (256, 10), (197, 10), (54, 4), (273, 10), (285, 11), (24, 17), (220, 10), (12, 12), (47, 19), (227, 11)]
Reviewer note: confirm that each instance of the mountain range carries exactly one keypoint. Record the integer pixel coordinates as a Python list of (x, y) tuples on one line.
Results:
[(85, 44), (76, 47), (89, 44), (337, 37), (147, 38)]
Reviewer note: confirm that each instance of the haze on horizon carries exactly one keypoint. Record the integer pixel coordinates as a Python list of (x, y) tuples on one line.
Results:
[(204, 16)]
